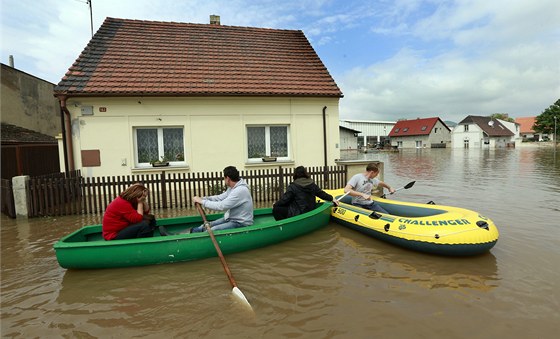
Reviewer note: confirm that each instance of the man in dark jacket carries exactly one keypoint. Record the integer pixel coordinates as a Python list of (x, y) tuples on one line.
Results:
[(299, 197)]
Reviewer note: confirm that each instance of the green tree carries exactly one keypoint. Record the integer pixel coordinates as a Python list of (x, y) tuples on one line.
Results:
[(544, 123), (502, 116)]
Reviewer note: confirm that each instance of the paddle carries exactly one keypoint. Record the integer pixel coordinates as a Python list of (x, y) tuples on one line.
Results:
[(407, 186), (345, 194), (236, 291)]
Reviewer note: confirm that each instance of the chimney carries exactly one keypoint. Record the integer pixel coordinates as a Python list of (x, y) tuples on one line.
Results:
[(214, 19), (11, 61)]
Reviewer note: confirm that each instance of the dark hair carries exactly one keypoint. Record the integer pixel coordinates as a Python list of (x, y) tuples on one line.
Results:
[(372, 167), (232, 173), (300, 172)]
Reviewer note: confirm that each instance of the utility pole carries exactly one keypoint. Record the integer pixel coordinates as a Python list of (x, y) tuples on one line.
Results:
[(555, 137), (90, 17)]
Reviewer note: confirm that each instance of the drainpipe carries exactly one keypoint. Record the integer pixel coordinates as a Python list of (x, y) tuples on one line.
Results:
[(325, 176), (67, 134)]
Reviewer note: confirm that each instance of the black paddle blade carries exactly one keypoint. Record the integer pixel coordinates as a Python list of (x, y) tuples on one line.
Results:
[(409, 185)]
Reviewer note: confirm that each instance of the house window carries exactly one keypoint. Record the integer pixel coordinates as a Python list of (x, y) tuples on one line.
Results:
[(157, 143), (425, 127), (267, 141), (466, 128), (397, 130), (405, 129)]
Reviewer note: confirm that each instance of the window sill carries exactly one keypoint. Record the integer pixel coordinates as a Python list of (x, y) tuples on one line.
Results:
[(160, 169), (270, 163)]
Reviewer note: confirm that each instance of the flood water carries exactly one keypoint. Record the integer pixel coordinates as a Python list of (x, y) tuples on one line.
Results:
[(333, 283)]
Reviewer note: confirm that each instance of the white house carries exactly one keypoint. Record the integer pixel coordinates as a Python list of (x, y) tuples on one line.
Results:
[(199, 96), (482, 132), (420, 133)]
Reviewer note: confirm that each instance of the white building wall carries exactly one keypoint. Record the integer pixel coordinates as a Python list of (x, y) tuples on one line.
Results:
[(376, 129), (439, 135), (214, 130), (473, 135), (347, 140)]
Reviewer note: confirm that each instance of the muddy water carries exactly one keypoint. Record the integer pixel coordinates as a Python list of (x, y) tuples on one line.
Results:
[(334, 283)]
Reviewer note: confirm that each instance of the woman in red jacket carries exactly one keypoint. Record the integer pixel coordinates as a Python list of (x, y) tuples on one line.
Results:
[(127, 217)]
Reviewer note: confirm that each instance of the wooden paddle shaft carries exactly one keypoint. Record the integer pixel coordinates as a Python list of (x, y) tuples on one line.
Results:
[(215, 242)]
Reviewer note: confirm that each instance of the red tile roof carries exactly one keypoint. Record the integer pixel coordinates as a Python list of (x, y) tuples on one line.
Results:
[(405, 128), (134, 57), (526, 124)]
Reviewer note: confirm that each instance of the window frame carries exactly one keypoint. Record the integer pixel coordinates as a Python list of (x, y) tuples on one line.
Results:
[(268, 142), (159, 129)]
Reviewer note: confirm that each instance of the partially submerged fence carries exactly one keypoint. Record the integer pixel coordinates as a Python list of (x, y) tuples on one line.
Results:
[(73, 194), (8, 204)]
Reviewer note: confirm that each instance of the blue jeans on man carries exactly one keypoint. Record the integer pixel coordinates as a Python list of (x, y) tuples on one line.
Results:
[(218, 225), (373, 207)]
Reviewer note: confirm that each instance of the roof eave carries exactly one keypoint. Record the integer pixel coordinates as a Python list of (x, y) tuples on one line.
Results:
[(192, 94)]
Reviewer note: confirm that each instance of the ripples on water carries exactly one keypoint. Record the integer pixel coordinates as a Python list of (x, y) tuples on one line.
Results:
[(334, 283)]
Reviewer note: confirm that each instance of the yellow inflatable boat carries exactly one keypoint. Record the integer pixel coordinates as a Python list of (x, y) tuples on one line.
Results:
[(429, 228)]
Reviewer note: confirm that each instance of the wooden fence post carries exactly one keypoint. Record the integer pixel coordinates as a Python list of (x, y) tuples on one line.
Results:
[(163, 190)]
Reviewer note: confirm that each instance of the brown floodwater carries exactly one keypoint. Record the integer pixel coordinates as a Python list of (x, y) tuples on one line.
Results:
[(333, 283)]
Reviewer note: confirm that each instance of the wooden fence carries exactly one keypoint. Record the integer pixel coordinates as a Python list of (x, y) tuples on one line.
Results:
[(74, 194), (8, 205)]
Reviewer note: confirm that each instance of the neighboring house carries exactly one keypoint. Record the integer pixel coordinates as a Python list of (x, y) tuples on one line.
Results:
[(373, 133), (420, 133), (481, 132), (28, 102), (526, 129), (348, 138), (201, 96), (514, 127), (30, 117)]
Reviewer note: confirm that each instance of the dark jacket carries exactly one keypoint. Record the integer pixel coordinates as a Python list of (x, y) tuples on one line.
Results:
[(300, 196)]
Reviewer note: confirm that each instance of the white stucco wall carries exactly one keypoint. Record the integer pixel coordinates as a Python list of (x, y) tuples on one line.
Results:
[(214, 130), (474, 135)]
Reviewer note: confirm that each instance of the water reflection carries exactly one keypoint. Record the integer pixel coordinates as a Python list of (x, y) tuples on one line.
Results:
[(427, 271)]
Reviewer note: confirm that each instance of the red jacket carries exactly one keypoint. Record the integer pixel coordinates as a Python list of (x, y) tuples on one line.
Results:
[(118, 215)]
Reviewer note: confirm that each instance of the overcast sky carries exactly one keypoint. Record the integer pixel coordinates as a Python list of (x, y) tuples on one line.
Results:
[(392, 59)]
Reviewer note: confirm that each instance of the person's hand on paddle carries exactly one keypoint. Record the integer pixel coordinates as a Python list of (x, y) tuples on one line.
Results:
[(197, 200)]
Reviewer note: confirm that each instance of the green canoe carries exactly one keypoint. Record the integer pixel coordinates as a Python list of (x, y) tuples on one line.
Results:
[(86, 248)]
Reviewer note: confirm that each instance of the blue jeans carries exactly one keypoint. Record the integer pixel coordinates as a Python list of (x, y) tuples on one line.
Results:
[(217, 225), (373, 207)]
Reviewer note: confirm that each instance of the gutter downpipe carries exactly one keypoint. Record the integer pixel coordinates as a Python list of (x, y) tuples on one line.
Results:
[(325, 176), (67, 138)]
